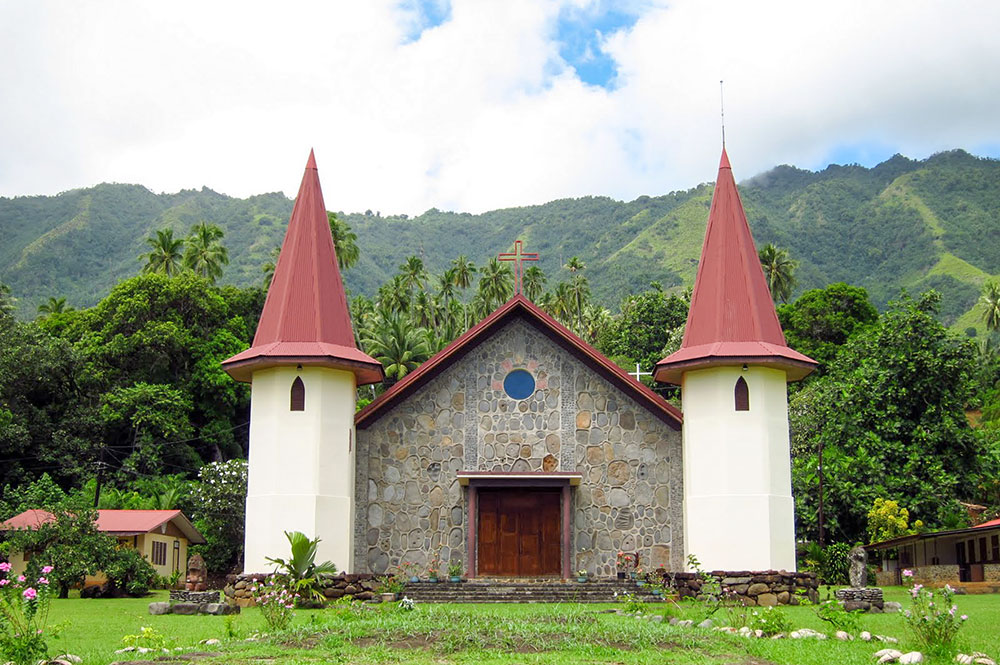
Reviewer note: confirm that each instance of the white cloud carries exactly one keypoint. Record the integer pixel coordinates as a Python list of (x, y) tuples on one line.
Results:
[(480, 111)]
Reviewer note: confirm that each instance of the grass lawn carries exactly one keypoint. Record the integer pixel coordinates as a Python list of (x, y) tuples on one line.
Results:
[(485, 634)]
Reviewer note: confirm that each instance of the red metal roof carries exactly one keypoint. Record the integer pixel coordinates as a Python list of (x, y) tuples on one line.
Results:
[(305, 319), (519, 306), (987, 524), (732, 319), (114, 522)]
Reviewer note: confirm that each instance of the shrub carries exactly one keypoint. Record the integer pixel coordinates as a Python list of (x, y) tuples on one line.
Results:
[(129, 572), (24, 611), (835, 566), (769, 620), (300, 572), (219, 510), (275, 601), (934, 621)]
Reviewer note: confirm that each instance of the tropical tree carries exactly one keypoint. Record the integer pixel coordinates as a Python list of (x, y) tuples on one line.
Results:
[(463, 270), (345, 242), (533, 283), (396, 343), (53, 306), (165, 255), (446, 287), (270, 266), (413, 273), (579, 292), (301, 572), (496, 284), (575, 265), (820, 321), (779, 269), (990, 300), (204, 254)]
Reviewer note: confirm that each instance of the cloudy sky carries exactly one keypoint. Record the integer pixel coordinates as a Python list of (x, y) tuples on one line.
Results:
[(476, 104)]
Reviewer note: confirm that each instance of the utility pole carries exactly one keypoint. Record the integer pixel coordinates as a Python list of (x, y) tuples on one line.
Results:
[(100, 477), (821, 492)]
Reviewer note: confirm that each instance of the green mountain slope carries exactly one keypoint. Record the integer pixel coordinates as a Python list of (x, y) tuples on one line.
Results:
[(902, 224)]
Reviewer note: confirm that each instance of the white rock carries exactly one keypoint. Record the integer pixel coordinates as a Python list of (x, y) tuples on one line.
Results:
[(758, 633), (707, 623), (778, 636), (745, 631), (211, 642), (964, 659), (865, 635), (887, 652), (886, 639), (143, 650), (687, 623), (843, 636), (889, 657), (125, 650), (984, 660), (70, 658), (911, 657)]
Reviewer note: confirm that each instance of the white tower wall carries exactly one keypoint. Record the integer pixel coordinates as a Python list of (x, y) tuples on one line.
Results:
[(301, 466), (738, 510)]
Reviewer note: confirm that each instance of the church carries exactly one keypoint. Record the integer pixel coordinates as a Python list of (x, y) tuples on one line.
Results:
[(519, 450)]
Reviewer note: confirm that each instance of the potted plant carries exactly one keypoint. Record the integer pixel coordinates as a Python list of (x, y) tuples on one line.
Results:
[(623, 562), (409, 569), (455, 571), (640, 576), (434, 567), (390, 586), (581, 576)]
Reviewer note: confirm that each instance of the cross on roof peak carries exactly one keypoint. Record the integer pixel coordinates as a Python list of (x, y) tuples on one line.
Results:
[(518, 256)]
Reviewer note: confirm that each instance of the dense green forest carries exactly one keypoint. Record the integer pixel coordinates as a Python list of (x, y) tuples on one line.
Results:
[(916, 224)]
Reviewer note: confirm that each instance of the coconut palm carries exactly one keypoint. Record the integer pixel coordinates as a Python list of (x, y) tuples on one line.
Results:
[(424, 310), (345, 242), (54, 306), (990, 300), (165, 257), (463, 270), (446, 287), (204, 253), (413, 273), (575, 265), (496, 284), (397, 344), (533, 282), (579, 292), (779, 270)]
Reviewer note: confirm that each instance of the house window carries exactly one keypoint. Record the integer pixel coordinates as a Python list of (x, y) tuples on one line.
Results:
[(159, 553), (982, 550), (742, 395), (298, 395)]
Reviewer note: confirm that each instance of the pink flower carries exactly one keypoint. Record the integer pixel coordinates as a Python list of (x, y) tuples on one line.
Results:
[(47, 569), (5, 567), (30, 593), (907, 573), (42, 580), (964, 617), (20, 578), (4, 582)]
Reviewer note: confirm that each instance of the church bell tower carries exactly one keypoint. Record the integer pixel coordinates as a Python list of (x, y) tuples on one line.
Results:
[(303, 368), (732, 367)]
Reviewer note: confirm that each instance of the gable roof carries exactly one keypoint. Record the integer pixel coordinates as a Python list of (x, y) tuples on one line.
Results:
[(521, 308), (732, 319), (114, 522), (305, 319)]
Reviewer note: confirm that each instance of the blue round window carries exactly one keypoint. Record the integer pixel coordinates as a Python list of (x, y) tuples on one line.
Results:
[(519, 384)]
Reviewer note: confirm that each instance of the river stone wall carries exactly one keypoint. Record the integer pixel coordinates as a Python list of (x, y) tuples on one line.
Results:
[(410, 504), (359, 587)]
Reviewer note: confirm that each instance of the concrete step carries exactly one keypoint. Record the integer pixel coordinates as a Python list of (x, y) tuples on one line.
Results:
[(525, 591)]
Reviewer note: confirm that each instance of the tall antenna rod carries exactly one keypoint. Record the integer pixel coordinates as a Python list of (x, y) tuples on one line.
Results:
[(722, 109)]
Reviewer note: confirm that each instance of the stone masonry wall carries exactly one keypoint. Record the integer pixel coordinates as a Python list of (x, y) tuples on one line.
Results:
[(763, 588), (359, 587), (409, 501)]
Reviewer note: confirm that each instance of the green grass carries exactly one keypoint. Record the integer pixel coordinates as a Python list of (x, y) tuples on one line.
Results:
[(483, 634)]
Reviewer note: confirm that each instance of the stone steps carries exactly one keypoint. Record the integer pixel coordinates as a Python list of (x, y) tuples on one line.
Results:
[(524, 591)]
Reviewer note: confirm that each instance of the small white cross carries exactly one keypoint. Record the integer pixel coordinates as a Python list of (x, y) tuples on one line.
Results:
[(638, 374)]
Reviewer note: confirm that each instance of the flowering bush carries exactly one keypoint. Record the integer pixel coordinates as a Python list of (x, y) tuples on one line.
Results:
[(434, 566), (24, 611), (934, 620), (219, 511), (276, 602), (769, 620), (624, 561)]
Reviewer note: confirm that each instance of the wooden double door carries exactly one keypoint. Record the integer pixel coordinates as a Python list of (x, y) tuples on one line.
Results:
[(519, 532)]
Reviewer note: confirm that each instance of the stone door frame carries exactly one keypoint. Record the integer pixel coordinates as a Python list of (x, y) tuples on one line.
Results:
[(476, 480)]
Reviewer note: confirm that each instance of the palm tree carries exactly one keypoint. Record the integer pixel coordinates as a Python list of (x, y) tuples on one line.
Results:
[(54, 306), (394, 296), (496, 284), (413, 273), (463, 269), (446, 287), (398, 345), (165, 257), (424, 310), (779, 270), (533, 282), (575, 264), (579, 291), (204, 253), (990, 300), (269, 267), (345, 242)]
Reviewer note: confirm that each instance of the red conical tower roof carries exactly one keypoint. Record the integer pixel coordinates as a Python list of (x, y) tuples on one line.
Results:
[(305, 320), (732, 319)]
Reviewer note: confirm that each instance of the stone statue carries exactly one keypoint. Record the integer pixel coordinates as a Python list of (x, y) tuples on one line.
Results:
[(859, 567), (197, 574)]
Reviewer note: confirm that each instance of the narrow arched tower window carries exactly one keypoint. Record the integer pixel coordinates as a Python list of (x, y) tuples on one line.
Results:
[(741, 395), (298, 395)]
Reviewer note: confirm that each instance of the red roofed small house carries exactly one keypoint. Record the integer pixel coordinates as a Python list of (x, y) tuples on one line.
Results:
[(162, 536)]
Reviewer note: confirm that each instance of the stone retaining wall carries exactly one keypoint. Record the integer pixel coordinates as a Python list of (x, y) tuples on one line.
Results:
[(359, 587), (933, 574), (765, 588), (184, 596)]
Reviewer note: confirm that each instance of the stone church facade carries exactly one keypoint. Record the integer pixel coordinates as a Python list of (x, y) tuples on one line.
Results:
[(619, 461)]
